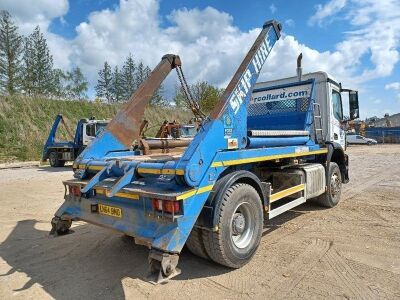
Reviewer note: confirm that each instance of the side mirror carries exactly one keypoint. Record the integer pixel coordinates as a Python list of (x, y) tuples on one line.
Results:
[(353, 103)]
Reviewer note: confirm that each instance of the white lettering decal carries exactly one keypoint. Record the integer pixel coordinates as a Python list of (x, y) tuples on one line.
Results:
[(244, 84)]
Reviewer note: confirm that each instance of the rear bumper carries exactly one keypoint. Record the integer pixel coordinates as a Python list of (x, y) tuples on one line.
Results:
[(138, 219)]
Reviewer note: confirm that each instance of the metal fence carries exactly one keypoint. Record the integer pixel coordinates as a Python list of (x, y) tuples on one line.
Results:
[(384, 134)]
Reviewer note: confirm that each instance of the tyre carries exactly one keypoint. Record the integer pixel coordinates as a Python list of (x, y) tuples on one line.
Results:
[(195, 243), (334, 187), (54, 161), (240, 222)]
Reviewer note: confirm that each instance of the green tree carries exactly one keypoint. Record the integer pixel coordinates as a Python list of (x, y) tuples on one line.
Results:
[(11, 46), (141, 74), (104, 83), (58, 85), (117, 89), (205, 94), (77, 84), (38, 65), (128, 78)]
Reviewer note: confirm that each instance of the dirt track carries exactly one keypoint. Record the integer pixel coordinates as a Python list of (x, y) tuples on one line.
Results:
[(351, 251)]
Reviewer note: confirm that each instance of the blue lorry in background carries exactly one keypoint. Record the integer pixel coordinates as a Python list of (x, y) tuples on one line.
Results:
[(59, 152), (264, 149)]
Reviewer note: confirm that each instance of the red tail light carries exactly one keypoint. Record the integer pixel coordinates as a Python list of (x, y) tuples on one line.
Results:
[(168, 206), (74, 190)]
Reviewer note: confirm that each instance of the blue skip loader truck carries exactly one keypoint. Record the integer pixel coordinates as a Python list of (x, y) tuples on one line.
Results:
[(264, 149), (59, 152)]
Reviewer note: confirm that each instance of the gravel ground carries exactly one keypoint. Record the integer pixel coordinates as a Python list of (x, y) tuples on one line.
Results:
[(351, 251)]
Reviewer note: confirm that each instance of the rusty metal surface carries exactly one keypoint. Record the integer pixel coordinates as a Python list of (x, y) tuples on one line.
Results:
[(167, 143), (126, 124)]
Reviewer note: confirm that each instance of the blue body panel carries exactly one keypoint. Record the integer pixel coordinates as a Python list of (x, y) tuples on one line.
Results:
[(260, 142)]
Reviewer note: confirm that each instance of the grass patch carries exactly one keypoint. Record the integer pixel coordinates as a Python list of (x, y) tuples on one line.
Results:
[(25, 122)]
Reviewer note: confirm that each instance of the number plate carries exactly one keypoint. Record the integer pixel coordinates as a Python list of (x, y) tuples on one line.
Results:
[(110, 211)]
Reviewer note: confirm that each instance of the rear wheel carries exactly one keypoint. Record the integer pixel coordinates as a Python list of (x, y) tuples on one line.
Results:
[(54, 161), (240, 222), (195, 243), (334, 187)]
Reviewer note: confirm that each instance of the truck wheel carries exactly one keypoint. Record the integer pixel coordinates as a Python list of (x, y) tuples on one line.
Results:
[(54, 161), (240, 222), (195, 243), (334, 187)]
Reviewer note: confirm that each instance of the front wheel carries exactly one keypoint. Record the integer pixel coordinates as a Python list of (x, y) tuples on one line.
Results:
[(54, 161), (334, 187), (240, 222)]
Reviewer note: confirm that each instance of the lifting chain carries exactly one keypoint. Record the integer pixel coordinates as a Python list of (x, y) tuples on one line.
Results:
[(190, 102)]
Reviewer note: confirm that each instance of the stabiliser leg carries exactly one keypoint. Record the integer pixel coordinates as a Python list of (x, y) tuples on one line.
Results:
[(59, 226), (162, 266)]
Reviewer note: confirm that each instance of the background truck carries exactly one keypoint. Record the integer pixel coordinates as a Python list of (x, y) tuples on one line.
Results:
[(58, 152), (264, 149)]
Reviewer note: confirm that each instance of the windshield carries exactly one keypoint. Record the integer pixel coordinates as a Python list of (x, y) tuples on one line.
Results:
[(100, 127), (188, 131)]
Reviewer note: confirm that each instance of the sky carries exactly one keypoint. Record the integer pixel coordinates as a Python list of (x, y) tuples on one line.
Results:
[(356, 41)]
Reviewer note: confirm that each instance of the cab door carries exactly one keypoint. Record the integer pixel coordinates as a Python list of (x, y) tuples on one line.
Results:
[(338, 133), (89, 133)]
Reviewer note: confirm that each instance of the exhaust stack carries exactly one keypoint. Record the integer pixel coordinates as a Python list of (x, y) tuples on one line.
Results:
[(299, 68)]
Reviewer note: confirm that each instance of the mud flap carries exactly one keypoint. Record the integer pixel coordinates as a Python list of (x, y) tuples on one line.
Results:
[(162, 266)]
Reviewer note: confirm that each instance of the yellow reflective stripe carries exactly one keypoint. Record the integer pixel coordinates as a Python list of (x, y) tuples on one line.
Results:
[(96, 168), (161, 171), (142, 170), (264, 158), (191, 193), (120, 194), (287, 192), (183, 196), (149, 171)]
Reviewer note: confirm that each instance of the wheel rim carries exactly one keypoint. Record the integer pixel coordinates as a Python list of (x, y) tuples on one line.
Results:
[(335, 185), (242, 225)]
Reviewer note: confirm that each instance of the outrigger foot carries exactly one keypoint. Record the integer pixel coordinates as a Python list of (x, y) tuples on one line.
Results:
[(162, 266), (59, 226)]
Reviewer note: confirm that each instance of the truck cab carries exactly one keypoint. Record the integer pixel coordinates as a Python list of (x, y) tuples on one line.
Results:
[(328, 94), (90, 129)]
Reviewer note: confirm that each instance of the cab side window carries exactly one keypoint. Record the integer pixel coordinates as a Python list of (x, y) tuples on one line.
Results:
[(337, 105), (90, 130)]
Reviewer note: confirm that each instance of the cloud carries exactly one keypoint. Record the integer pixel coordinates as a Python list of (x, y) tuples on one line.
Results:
[(393, 86), (211, 46), (328, 10), (396, 87), (375, 34), (289, 23), (272, 8), (30, 13)]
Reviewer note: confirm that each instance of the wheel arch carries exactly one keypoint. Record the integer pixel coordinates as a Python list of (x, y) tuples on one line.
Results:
[(207, 218), (336, 154)]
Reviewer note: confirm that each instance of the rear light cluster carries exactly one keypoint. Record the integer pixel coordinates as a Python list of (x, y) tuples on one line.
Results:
[(168, 206), (74, 190)]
